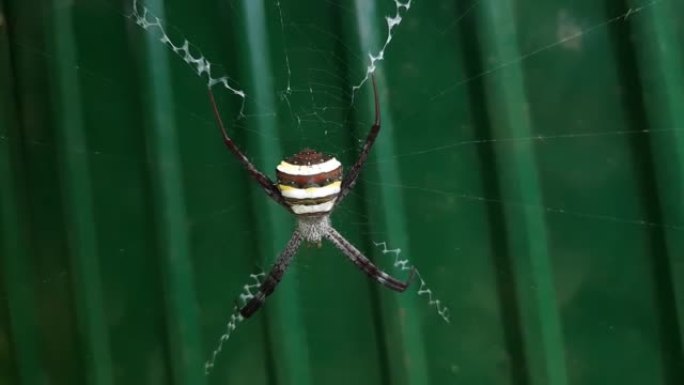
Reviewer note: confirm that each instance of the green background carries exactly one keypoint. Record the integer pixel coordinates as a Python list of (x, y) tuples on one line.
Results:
[(531, 164)]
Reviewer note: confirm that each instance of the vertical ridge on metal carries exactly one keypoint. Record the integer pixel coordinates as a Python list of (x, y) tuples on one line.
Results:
[(78, 197), (519, 182), (402, 327), (182, 322), (15, 253), (284, 319), (661, 64)]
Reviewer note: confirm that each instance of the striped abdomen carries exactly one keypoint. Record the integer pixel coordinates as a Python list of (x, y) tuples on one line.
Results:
[(310, 182)]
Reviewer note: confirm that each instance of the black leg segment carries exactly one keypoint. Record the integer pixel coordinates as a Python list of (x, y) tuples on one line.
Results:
[(350, 179), (365, 264), (274, 276), (266, 183)]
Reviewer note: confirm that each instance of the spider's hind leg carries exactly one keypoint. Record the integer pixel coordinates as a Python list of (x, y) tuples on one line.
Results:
[(366, 265), (273, 278)]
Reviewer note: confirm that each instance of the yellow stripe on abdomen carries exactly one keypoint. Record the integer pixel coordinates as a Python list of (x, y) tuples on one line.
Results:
[(290, 192)]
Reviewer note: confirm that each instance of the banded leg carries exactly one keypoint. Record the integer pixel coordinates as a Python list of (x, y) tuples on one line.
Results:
[(274, 276), (350, 179), (365, 264), (266, 183)]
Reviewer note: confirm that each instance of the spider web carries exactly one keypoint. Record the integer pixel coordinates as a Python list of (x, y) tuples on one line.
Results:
[(318, 110), (202, 66), (314, 103)]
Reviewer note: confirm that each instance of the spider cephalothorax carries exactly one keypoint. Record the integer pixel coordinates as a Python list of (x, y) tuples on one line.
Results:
[(310, 185)]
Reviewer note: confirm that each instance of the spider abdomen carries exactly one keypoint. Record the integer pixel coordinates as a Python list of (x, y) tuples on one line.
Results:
[(310, 182)]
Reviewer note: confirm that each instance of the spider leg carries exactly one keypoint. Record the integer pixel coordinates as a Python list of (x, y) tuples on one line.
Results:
[(350, 179), (266, 183), (365, 264), (274, 276)]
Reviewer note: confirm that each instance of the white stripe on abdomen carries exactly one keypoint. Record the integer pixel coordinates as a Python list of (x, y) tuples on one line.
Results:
[(293, 169), (313, 209)]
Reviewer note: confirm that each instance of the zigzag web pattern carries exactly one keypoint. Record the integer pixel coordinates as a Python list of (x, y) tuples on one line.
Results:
[(148, 21), (423, 290), (392, 22), (235, 317)]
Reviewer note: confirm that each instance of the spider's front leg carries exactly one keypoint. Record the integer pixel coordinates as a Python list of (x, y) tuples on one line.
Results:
[(350, 179), (274, 276), (266, 184)]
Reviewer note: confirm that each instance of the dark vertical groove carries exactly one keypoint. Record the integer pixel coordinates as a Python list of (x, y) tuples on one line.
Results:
[(519, 181), (251, 199), (403, 330), (289, 344), (34, 307), (74, 173), (165, 174), (270, 354), (505, 278), (672, 359), (350, 117), (15, 253)]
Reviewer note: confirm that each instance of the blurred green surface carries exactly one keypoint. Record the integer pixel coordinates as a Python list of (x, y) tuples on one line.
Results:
[(531, 164)]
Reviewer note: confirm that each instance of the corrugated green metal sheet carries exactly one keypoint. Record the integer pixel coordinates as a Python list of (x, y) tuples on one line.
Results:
[(531, 164)]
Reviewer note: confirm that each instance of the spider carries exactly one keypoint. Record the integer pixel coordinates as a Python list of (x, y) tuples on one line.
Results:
[(310, 185)]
